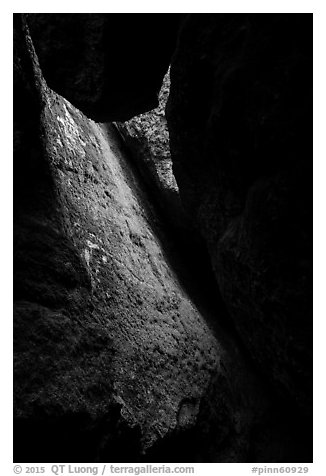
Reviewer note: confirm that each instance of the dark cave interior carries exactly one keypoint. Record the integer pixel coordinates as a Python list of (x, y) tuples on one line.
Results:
[(163, 251)]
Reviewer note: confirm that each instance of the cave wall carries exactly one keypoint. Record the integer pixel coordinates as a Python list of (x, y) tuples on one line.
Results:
[(240, 122), (115, 357), (113, 360), (147, 139)]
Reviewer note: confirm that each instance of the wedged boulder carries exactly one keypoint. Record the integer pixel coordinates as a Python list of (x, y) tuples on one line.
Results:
[(240, 124), (110, 66)]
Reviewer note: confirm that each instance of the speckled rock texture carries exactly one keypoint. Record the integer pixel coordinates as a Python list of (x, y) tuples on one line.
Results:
[(100, 318), (119, 355), (110, 66), (147, 138), (109, 349), (240, 123)]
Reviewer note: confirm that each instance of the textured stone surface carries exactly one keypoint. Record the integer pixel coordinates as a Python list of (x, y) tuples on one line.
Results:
[(147, 139), (239, 116), (111, 355), (110, 66), (116, 357)]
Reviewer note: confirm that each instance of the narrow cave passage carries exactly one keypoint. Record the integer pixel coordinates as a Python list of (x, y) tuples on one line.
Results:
[(161, 268)]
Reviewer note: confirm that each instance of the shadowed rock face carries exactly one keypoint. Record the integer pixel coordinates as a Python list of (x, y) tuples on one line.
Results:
[(111, 354), (239, 117), (119, 353), (101, 321), (147, 139), (110, 66)]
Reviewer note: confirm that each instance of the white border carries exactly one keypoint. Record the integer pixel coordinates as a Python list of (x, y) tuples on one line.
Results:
[(6, 190)]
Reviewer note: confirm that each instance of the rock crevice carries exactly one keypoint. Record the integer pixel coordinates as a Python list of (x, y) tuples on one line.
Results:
[(121, 348)]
